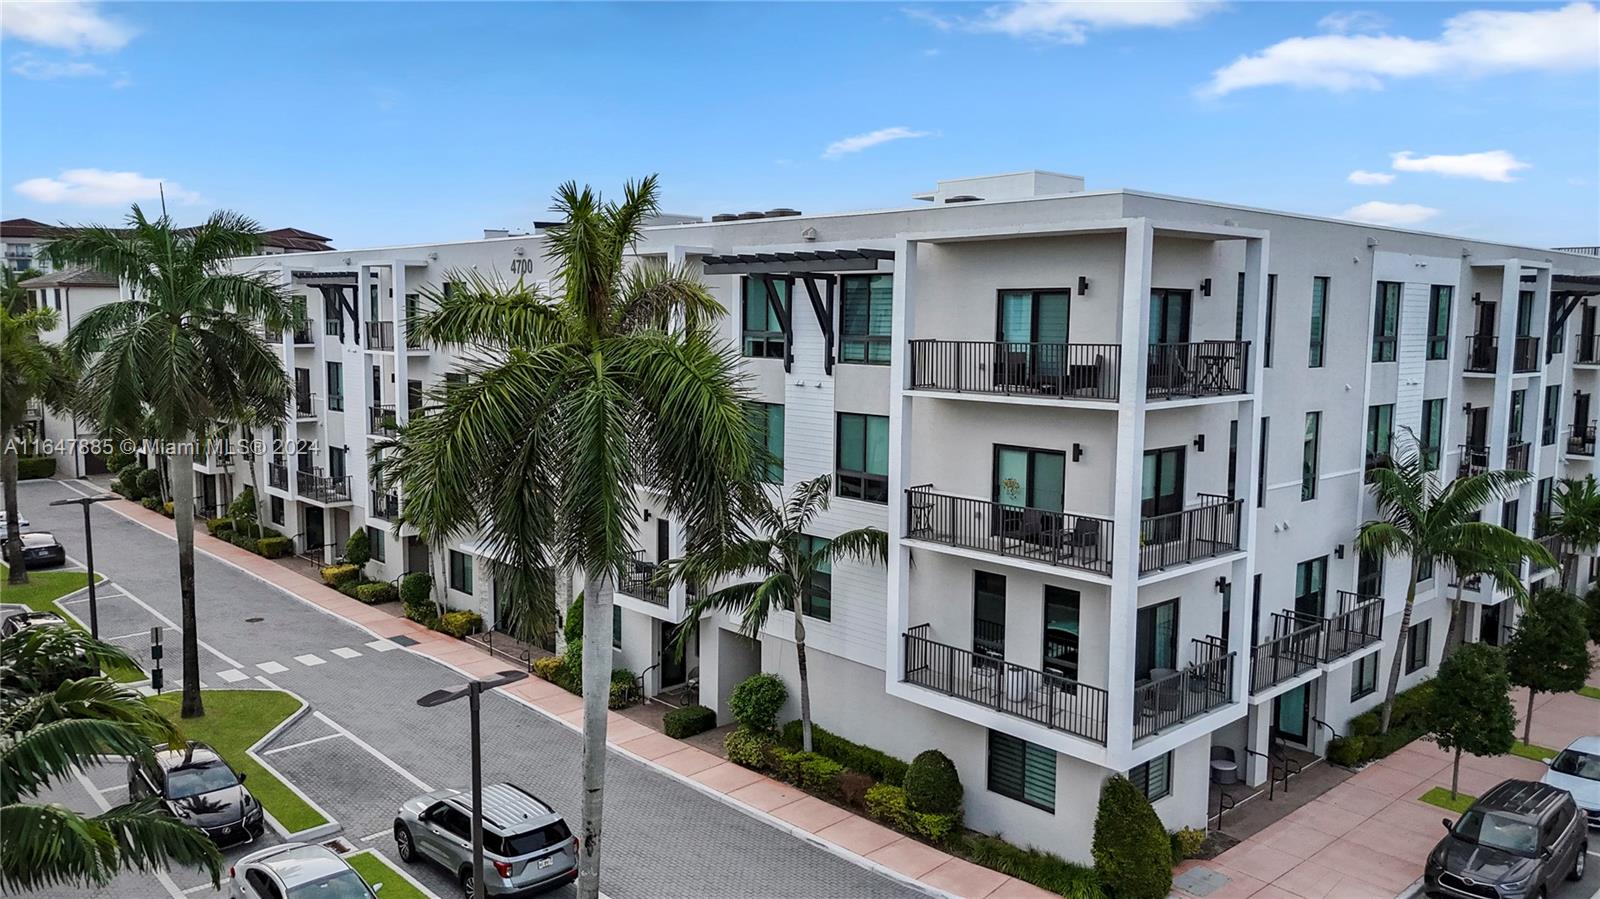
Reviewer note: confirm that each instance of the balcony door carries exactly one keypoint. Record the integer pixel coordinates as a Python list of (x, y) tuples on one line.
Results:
[(1029, 486), (1586, 335), (302, 387), (1310, 589), (1485, 325), (1163, 493), (1032, 329), (1580, 413), (1169, 316), (1478, 427), (1525, 313), (1155, 650), (1061, 632), (315, 533), (989, 615), (1291, 715)]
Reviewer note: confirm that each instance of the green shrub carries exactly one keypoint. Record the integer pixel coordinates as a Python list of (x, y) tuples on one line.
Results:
[(374, 592), (1408, 722), (624, 689), (932, 784), (358, 549), (810, 772), (218, 524), (243, 505), (747, 747), (878, 765), (1045, 870), (1349, 751), (756, 701), (118, 460), (168, 508), (34, 467), (245, 542), (274, 547), (336, 575), (416, 592), (688, 721), (1186, 843), (935, 828), (153, 503), (149, 482), (886, 803), (128, 477), (459, 623), (572, 625), (349, 588), (1131, 849), (545, 667)]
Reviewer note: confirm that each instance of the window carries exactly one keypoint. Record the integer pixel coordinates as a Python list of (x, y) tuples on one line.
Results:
[(1369, 574), (1272, 315), (1380, 434), (336, 386), (1432, 433), (1310, 454), (1233, 459), (1439, 320), (1153, 778), (1364, 676), (336, 462), (1509, 514), (1552, 413), (1022, 771), (1541, 506), (1319, 324), (763, 326), (1425, 569), (1519, 405), (375, 542), (816, 600), (866, 318), (1311, 587), (767, 423), (1386, 322), (460, 572), (275, 509), (616, 626), (377, 385), (863, 457), (1238, 310), (1417, 645), (1261, 466)]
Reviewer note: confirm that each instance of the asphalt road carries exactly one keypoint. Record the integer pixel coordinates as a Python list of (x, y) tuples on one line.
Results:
[(367, 746)]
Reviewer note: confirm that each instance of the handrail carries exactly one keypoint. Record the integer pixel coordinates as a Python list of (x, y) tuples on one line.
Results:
[(1208, 529), (1483, 354), (1053, 537), (1196, 369), (1286, 655), (1172, 699), (1272, 780), (1016, 368), (1358, 624)]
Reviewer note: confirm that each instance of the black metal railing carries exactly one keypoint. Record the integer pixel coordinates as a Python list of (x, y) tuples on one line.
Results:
[(1206, 368), (1525, 354), (1358, 624), (278, 475), (1517, 456), (638, 580), (1068, 370), (1055, 538), (1474, 459), (1200, 532), (380, 335), (302, 332), (318, 487), (1178, 696), (384, 505), (381, 421), (1554, 545), (304, 403), (413, 339), (1581, 441), (1588, 350), (1042, 697), (1483, 353), (1295, 648)]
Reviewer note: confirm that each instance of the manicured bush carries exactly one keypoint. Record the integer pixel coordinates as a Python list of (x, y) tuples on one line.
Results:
[(812, 773), (869, 761), (757, 700), (274, 547), (128, 477), (374, 592), (459, 623), (118, 460), (33, 467), (886, 803), (1045, 870), (572, 624), (153, 503), (1131, 849), (149, 482), (1408, 722), (625, 689), (335, 575), (169, 508), (1186, 843), (932, 784), (245, 542), (349, 588), (1591, 613), (416, 592), (213, 525), (358, 549), (1348, 752), (545, 667), (688, 721), (747, 747)]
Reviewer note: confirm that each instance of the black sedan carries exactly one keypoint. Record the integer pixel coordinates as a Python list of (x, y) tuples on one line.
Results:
[(198, 788), (42, 550)]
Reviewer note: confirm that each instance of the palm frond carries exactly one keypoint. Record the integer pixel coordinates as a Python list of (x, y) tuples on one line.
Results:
[(48, 845)]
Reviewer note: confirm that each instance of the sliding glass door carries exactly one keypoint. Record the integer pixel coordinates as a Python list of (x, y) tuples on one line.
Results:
[(1061, 632), (1155, 650), (1032, 330)]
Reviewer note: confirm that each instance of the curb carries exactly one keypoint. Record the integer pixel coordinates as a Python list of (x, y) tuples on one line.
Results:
[(415, 883), (311, 833)]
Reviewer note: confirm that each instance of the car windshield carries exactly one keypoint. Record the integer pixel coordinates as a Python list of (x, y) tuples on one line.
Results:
[(344, 885), (196, 779), (1577, 764), (1497, 831)]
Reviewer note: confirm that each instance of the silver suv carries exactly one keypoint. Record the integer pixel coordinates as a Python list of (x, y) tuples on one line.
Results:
[(527, 847)]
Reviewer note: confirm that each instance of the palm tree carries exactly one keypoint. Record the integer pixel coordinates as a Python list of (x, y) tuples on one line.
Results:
[(34, 370), (179, 355), (571, 404), (1576, 524), (1468, 561), (1422, 521), (784, 560), (49, 728)]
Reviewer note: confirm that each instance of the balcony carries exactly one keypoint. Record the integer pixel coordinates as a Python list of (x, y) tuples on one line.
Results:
[(1358, 624), (1588, 349), (382, 504), (1054, 538), (1525, 355), (302, 332), (1188, 370), (1086, 371), (1483, 354), (1200, 532), (380, 335), (1553, 545), (1169, 698), (278, 475), (1474, 459), (1295, 648), (1517, 456), (381, 421), (1043, 697), (319, 488), (305, 403), (637, 581), (1581, 441)]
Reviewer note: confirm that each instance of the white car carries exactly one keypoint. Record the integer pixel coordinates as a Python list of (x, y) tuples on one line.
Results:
[(297, 871), (1576, 769), (22, 520)]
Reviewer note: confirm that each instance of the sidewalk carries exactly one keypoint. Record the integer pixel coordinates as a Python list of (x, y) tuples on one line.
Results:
[(839, 830)]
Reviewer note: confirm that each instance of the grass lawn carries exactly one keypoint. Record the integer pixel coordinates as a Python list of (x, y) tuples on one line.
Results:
[(1591, 692), (233, 722), (42, 591), (375, 869), (1529, 751), (1441, 797)]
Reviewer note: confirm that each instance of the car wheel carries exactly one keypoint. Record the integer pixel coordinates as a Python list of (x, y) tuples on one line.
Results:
[(403, 845), (466, 883), (1579, 864)]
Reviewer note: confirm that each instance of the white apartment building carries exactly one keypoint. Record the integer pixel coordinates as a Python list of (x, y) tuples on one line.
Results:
[(1118, 441)]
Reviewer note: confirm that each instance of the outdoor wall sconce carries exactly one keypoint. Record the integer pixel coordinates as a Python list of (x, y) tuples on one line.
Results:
[(1477, 297), (647, 515), (1077, 451), (1199, 443), (1083, 286), (1222, 584), (1205, 287), (1338, 551)]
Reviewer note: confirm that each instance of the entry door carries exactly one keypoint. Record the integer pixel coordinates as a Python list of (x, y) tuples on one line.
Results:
[(1032, 329), (1169, 316), (1486, 320), (1061, 632), (1291, 714), (208, 492), (1586, 335), (416, 556), (1525, 314), (989, 615), (315, 535), (672, 661), (1163, 492)]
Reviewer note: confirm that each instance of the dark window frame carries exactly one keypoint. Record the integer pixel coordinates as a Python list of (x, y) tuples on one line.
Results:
[(1139, 776), (376, 547), (1311, 456), (1364, 677), (771, 343), (1316, 352), (867, 341), (859, 483), (1441, 297), (463, 575), (1386, 321), (819, 587), (1018, 790), (1418, 645)]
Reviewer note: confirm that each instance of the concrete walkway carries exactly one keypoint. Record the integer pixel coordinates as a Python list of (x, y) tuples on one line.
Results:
[(843, 832)]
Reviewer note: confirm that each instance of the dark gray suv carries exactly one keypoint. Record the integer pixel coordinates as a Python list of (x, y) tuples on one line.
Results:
[(1517, 841), (527, 847)]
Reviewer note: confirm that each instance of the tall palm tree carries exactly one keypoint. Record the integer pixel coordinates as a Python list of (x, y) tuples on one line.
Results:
[(1422, 520), (1468, 561), (35, 370), (574, 401), (783, 561), (181, 353), (51, 726), (1576, 523)]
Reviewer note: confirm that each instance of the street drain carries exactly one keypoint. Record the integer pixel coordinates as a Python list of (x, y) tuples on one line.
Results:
[(256, 620), (339, 846)]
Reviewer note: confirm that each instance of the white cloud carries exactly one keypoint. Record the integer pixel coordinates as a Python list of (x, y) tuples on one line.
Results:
[(1380, 213), (96, 187), (67, 24), (1070, 21), (1353, 20), (1360, 176), (1481, 42), (857, 143), (1493, 165), (36, 69)]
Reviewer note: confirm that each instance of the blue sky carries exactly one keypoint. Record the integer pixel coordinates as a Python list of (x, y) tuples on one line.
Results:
[(380, 123)]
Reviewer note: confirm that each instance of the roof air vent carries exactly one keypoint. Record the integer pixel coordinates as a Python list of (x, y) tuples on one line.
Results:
[(781, 212), (724, 217), (962, 198), (751, 215)]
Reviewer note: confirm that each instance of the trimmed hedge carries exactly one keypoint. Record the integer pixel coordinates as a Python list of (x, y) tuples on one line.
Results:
[(416, 592), (887, 804), (128, 477), (459, 624), (213, 525), (153, 503), (31, 468), (338, 575), (747, 747), (1186, 843), (1131, 850), (377, 591), (358, 549), (879, 765), (1363, 743), (1045, 870), (625, 689), (168, 508), (811, 772), (688, 721), (756, 701), (545, 667), (274, 547), (932, 784), (243, 541)]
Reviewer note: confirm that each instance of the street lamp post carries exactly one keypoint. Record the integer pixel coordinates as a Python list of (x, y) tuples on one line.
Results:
[(88, 550), (472, 690)]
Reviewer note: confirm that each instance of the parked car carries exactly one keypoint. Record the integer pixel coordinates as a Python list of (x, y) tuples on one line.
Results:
[(21, 621), (22, 521), (198, 788), (1518, 840), (297, 871), (1576, 769), (41, 549), (527, 847)]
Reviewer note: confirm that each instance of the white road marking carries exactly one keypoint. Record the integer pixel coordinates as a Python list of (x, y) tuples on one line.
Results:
[(100, 801), (345, 652), (373, 836), (143, 633), (272, 667), (171, 625), (233, 675), (111, 789), (309, 660), (384, 645), (393, 765), (277, 749)]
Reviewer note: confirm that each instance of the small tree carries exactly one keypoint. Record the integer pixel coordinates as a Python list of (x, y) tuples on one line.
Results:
[(1549, 650), (358, 549), (1469, 708), (1591, 602), (1131, 850)]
